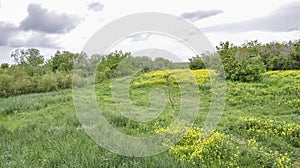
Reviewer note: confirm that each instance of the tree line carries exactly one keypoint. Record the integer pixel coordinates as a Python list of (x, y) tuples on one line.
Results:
[(31, 73), (247, 62)]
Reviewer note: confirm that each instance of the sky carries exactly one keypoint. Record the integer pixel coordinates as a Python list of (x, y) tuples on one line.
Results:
[(68, 25)]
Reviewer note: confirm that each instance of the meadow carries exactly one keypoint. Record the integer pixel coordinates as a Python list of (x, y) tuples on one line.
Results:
[(259, 125)]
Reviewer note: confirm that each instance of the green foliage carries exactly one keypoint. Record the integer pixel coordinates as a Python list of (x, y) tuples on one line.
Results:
[(295, 57), (118, 64), (30, 57), (196, 63), (31, 75), (245, 69), (279, 56), (34, 58), (17, 81), (131, 65), (108, 65), (63, 61), (247, 62), (161, 63)]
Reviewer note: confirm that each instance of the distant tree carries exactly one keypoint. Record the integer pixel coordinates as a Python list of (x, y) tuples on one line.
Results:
[(132, 65), (196, 63), (295, 56), (33, 57), (161, 63), (142, 64), (281, 56), (30, 56), (108, 65), (63, 61), (19, 56)]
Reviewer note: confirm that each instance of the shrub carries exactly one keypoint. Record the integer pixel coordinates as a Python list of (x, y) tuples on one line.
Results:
[(246, 69), (196, 63)]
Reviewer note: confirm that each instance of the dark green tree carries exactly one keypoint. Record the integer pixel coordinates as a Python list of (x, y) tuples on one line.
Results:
[(63, 61), (196, 63)]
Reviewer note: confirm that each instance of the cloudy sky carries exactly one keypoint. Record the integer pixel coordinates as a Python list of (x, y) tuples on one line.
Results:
[(67, 25)]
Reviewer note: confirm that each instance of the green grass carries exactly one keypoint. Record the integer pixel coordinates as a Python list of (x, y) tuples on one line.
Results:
[(42, 130), (25, 103)]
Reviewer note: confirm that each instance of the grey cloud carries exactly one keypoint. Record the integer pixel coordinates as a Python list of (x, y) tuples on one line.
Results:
[(6, 31), (11, 36), (33, 39), (284, 19), (200, 14), (95, 6), (43, 20)]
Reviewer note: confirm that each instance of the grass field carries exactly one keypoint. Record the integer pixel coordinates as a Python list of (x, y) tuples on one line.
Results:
[(259, 127)]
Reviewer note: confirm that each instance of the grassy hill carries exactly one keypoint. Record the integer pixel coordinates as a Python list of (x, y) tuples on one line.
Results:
[(259, 126)]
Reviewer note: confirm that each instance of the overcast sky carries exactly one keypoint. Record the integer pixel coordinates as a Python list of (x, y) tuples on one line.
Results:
[(67, 25)]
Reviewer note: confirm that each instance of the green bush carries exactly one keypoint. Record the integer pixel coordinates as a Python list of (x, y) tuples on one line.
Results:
[(196, 63), (246, 69)]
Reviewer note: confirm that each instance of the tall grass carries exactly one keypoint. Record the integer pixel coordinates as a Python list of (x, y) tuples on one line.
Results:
[(32, 102)]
